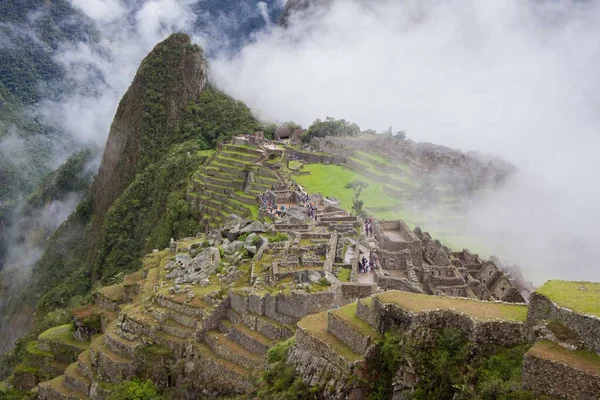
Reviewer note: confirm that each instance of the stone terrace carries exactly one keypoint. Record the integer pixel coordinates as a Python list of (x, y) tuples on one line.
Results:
[(336, 341), (566, 362), (230, 183)]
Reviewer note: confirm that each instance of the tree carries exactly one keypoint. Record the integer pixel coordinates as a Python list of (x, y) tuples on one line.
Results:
[(331, 127), (357, 186)]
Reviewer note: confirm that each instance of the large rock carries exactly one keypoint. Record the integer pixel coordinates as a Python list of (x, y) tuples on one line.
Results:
[(255, 226), (183, 270)]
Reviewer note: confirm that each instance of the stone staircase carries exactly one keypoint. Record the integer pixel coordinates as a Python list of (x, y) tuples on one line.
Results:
[(242, 339), (230, 182), (76, 378)]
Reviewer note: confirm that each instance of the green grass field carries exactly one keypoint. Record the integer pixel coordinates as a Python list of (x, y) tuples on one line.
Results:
[(331, 180), (578, 296)]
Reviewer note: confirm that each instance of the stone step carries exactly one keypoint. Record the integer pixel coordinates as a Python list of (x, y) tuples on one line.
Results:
[(233, 208), (85, 364), (252, 340), (231, 169), (244, 149), (231, 161), (174, 328), (54, 369), (60, 342), (224, 172), (313, 336), (260, 187), (121, 345), (240, 156), (234, 352), (269, 327), (162, 314), (225, 372), (135, 323), (344, 324), (174, 343), (56, 389), (216, 196), (109, 297), (237, 184), (224, 189), (76, 381), (244, 198), (111, 367), (179, 307)]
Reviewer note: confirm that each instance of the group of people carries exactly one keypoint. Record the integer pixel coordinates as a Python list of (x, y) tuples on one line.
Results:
[(365, 266), (311, 210), (369, 227)]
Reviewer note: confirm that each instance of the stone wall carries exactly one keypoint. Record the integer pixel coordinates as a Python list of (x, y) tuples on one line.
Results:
[(558, 380), (355, 340), (587, 327), (483, 333), (353, 291), (391, 283), (298, 304)]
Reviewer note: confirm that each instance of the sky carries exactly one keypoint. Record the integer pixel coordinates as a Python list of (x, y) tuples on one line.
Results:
[(517, 79)]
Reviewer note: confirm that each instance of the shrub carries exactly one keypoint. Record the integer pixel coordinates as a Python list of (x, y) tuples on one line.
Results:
[(135, 390)]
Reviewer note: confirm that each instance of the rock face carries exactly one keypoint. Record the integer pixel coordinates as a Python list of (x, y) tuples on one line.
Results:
[(172, 75)]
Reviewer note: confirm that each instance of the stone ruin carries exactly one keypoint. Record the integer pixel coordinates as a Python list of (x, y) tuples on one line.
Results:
[(413, 261)]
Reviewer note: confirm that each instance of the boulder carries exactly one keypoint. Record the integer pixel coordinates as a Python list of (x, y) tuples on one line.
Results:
[(233, 247), (255, 226), (251, 249), (331, 278)]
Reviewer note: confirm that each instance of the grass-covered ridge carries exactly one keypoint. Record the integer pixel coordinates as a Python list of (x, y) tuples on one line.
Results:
[(582, 297), (481, 310)]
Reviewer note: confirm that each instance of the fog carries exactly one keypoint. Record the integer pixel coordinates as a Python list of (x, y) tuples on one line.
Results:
[(515, 79)]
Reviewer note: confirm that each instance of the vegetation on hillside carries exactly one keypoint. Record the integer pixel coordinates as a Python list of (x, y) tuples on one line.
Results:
[(216, 117), (330, 127), (150, 212), (448, 368)]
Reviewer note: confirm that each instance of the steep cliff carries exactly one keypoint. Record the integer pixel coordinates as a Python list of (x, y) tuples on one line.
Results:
[(172, 75)]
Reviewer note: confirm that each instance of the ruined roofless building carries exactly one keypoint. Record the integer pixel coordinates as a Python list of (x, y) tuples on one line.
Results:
[(413, 261)]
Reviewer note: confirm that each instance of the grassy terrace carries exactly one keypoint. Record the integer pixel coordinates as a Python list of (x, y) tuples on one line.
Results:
[(316, 326), (583, 297), (481, 310), (63, 334), (348, 314), (581, 359)]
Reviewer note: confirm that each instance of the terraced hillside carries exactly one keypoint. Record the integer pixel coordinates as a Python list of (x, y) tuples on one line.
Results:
[(230, 183)]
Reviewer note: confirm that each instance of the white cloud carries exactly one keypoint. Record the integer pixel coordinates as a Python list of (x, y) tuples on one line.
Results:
[(263, 8), (513, 78)]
